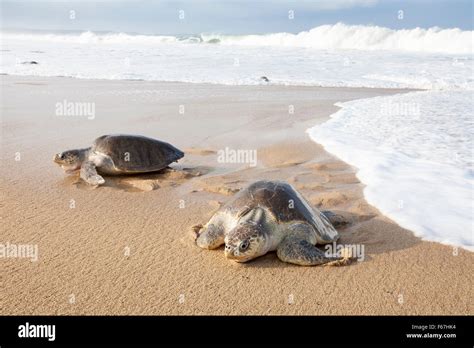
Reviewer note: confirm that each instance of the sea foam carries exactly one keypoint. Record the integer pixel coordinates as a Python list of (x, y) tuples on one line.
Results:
[(414, 154)]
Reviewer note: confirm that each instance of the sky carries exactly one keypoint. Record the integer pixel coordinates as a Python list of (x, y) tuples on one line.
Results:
[(238, 17)]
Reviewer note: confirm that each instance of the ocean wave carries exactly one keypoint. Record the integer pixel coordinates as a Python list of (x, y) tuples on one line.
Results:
[(360, 37), (89, 37), (325, 37)]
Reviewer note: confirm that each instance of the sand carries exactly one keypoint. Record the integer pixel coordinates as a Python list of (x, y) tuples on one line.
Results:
[(127, 247)]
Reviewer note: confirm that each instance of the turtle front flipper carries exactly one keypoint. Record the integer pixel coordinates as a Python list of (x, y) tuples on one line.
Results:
[(294, 249), (89, 174), (210, 236)]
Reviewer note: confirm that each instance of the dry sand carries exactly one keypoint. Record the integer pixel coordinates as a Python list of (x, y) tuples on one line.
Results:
[(84, 235)]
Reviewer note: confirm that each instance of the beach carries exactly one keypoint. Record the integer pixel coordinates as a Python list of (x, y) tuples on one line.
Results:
[(127, 248)]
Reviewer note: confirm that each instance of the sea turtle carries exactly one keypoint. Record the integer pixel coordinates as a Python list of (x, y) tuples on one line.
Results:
[(268, 216), (118, 154)]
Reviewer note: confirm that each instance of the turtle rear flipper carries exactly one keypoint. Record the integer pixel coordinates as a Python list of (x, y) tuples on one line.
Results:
[(337, 220), (300, 252)]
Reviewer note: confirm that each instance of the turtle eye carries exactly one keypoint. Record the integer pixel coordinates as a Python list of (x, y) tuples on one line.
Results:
[(244, 245)]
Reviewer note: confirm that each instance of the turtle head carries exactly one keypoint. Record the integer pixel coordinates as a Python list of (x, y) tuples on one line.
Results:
[(248, 239), (70, 160)]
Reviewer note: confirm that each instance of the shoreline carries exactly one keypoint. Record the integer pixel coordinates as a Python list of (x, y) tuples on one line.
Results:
[(140, 213), (271, 84)]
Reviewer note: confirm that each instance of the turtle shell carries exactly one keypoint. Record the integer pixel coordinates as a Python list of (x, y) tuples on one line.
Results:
[(284, 202), (135, 153)]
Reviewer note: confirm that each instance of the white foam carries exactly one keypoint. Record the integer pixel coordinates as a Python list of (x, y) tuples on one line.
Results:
[(414, 154)]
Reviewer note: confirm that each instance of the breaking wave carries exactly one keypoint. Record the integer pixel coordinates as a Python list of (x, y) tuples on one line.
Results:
[(324, 37)]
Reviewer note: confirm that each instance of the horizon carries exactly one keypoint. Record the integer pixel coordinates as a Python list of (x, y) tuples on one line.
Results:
[(14, 30)]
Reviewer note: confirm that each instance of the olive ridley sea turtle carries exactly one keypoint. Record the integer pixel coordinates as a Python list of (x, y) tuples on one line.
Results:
[(117, 155), (269, 216)]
